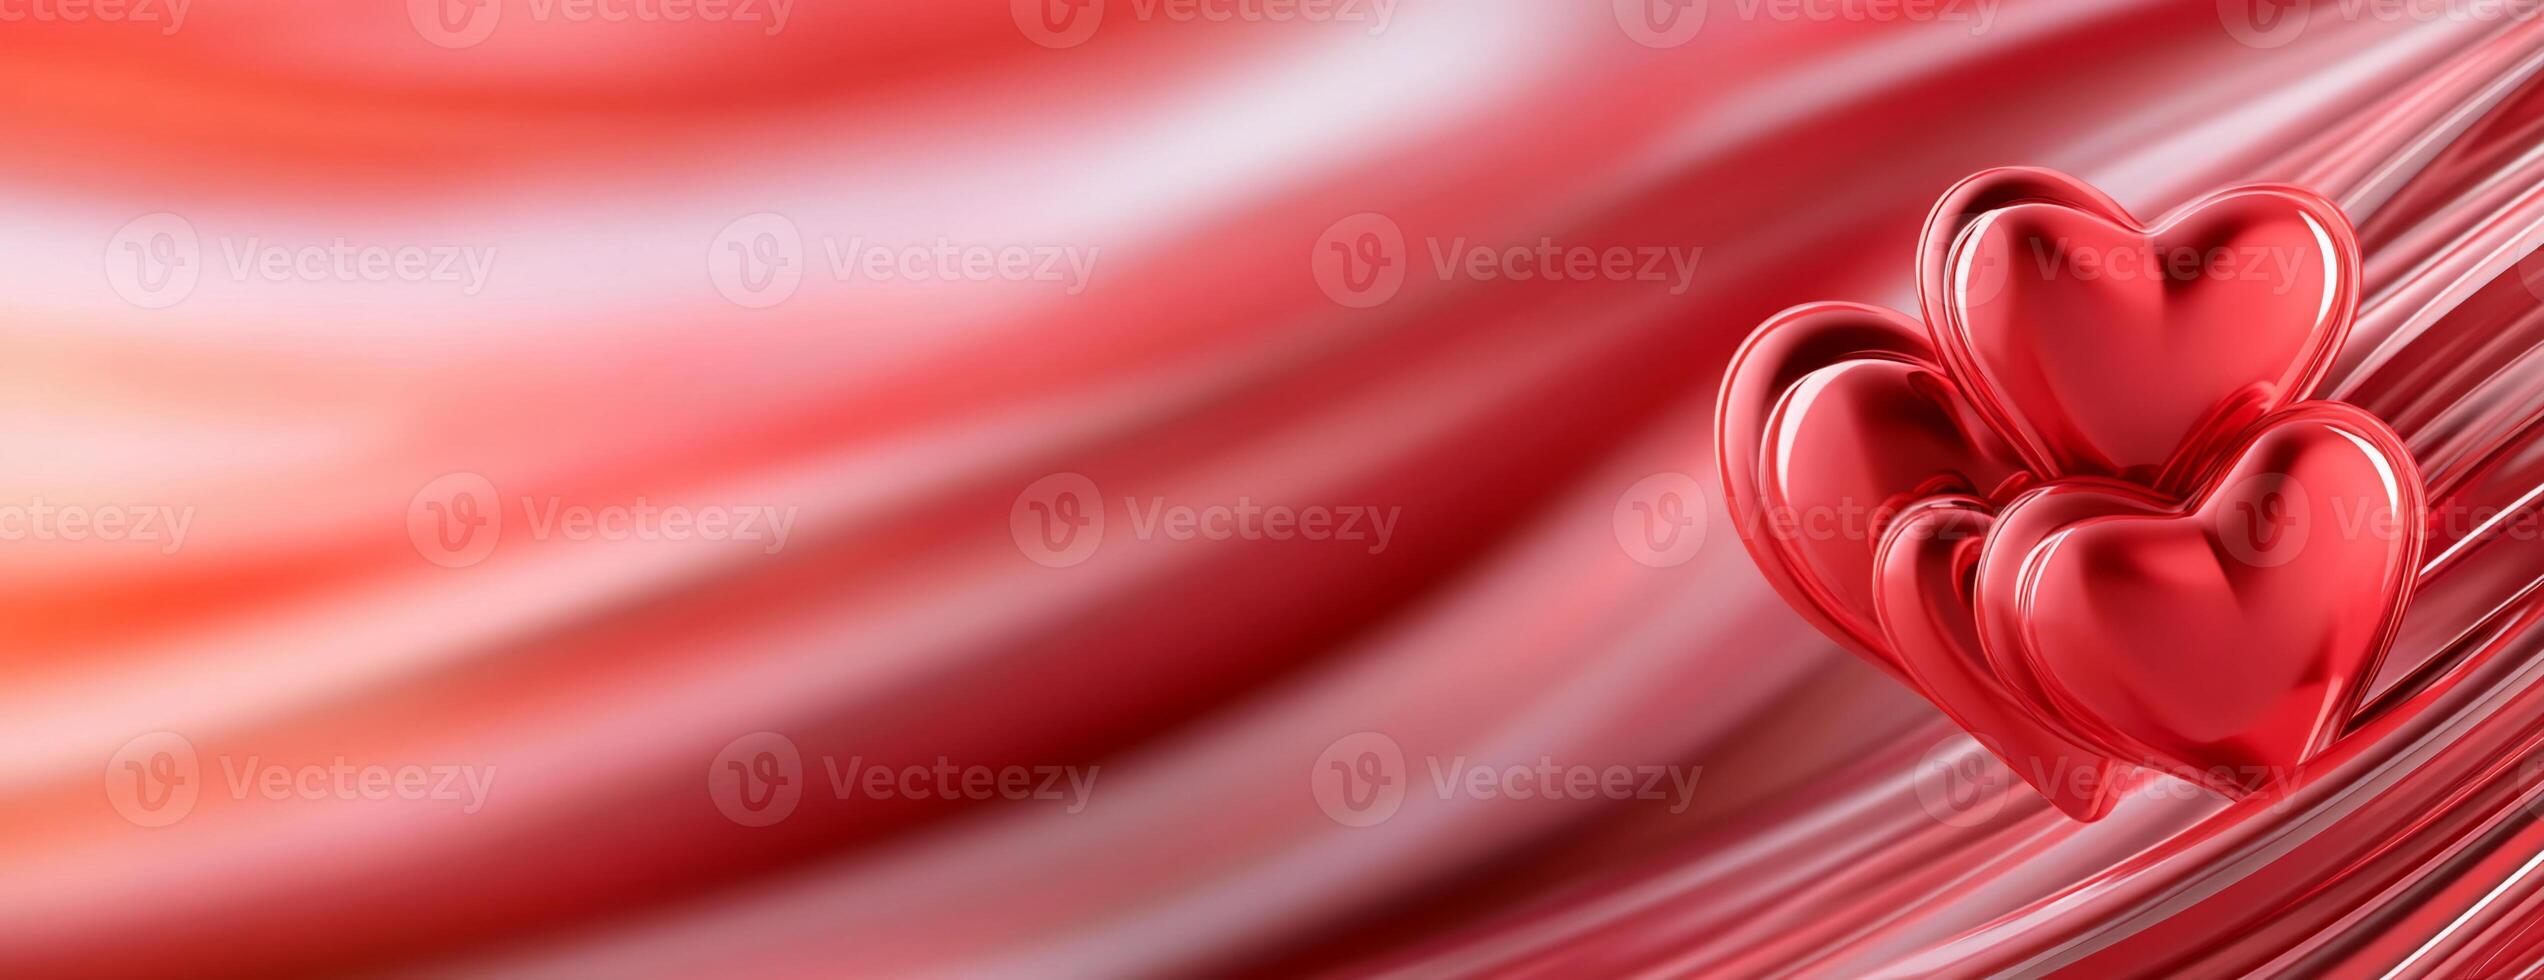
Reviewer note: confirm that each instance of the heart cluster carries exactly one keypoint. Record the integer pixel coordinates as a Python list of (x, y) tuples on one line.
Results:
[(2087, 507)]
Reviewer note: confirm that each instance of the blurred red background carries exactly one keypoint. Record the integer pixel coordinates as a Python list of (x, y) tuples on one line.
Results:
[(493, 483)]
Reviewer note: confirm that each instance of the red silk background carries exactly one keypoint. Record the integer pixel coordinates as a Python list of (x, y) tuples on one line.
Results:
[(644, 296)]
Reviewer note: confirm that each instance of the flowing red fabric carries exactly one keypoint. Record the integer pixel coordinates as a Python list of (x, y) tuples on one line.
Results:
[(1196, 685)]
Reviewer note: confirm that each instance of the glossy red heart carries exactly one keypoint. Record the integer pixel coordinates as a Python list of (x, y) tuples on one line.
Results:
[(1923, 583), (1833, 418), (2102, 346), (2228, 638), (2197, 571)]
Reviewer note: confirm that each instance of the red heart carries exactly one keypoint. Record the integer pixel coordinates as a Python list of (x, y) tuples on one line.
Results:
[(1833, 418), (2226, 639), (2210, 576), (2106, 347), (1923, 592)]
